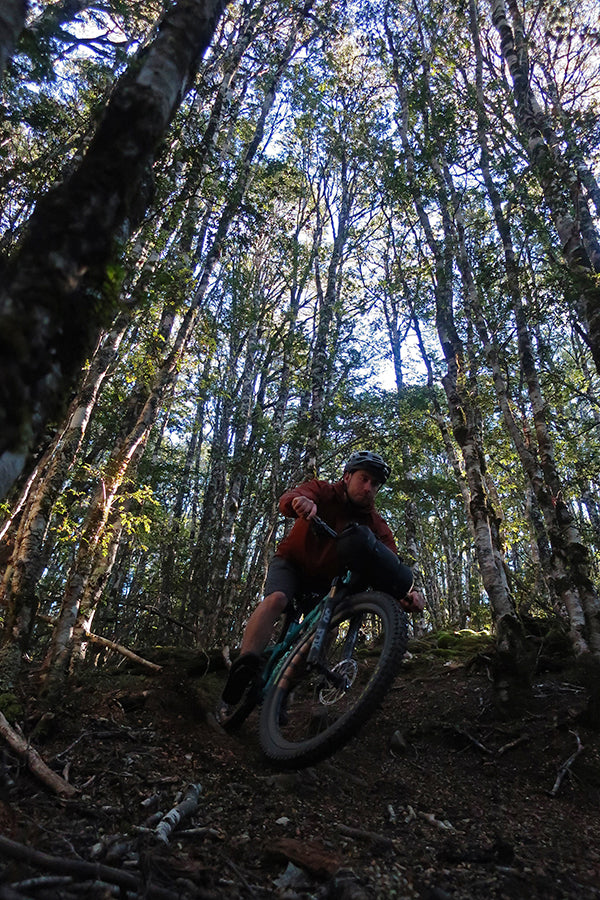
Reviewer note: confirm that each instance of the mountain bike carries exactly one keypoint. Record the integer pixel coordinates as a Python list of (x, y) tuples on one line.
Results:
[(327, 673)]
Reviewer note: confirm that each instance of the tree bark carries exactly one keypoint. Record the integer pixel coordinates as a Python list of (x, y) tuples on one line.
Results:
[(12, 19)]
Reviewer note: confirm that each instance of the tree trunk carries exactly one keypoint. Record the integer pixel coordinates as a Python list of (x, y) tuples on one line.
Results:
[(31, 547), (50, 308), (12, 19), (570, 566), (326, 304), (558, 180), (464, 415), (91, 557)]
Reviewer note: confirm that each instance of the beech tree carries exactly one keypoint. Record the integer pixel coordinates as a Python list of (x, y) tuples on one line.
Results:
[(557, 175)]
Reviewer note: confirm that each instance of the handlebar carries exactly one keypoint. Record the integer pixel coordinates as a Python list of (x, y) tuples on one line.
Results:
[(322, 527)]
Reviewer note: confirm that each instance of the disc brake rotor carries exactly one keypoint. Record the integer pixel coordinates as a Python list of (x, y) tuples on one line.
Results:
[(347, 670)]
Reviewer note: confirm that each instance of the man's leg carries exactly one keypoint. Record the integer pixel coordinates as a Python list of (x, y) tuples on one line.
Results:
[(262, 622), (256, 637), (280, 587)]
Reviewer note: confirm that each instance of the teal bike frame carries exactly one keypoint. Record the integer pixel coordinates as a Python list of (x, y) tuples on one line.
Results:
[(319, 616)]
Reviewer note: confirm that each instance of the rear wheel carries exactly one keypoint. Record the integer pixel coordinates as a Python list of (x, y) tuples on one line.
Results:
[(309, 713)]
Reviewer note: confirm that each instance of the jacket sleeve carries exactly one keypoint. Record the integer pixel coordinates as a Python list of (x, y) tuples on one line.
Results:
[(315, 490)]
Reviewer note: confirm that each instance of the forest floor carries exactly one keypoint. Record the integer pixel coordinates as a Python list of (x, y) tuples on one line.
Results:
[(439, 796)]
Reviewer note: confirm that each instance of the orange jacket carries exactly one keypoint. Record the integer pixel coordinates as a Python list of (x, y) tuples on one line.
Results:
[(315, 555)]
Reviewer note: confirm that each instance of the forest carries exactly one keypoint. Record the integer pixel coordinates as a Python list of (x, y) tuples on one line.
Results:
[(240, 241)]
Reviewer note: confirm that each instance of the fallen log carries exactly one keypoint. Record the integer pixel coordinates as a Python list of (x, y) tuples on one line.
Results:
[(110, 645), (118, 648)]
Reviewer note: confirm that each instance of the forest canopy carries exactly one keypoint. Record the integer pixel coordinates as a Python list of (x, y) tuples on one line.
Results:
[(240, 243)]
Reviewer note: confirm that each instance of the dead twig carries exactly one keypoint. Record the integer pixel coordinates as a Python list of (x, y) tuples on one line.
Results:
[(34, 761), (473, 740), (511, 744), (567, 765), (239, 874), (203, 831), (84, 870), (183, 810)]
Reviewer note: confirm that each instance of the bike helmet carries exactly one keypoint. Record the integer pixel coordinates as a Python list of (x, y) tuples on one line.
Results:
[(372, 462)]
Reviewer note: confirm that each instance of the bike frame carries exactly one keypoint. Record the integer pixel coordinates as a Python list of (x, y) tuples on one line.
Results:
[(320, 616)]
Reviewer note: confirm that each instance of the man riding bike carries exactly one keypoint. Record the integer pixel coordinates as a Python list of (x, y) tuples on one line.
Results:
[(305, 563)]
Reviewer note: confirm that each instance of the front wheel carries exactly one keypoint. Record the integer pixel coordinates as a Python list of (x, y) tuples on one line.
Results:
[(309, 712)]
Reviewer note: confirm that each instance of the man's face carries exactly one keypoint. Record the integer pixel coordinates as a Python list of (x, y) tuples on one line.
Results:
[(361, 487)]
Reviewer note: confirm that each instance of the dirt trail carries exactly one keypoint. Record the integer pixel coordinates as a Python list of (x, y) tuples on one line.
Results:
[(438, 797)]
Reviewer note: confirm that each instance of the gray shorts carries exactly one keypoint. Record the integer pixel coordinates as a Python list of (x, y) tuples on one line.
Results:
[(284, 576)]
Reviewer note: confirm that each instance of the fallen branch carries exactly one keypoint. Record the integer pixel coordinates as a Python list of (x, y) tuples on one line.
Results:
[(511, 744), (118, 648), (34, 761), (83, 870), (442, 824), (188, 805), (366, 835), (201, 831), (566, 765), (473, 740), (110, 645)]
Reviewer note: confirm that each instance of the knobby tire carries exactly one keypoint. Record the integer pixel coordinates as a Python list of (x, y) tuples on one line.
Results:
[(304, 717)]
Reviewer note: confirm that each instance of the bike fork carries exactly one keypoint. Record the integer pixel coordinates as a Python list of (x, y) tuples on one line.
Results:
[(314, 654), (315, 659)]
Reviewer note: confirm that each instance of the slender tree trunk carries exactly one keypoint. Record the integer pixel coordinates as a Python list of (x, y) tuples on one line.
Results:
[(326, 305), (145, 406), (169, 548), (31, 547), (570, 565), (238, 469), (464, 415)]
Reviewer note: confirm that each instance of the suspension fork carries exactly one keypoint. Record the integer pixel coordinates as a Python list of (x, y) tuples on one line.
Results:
[(314, 654), (350, 641)]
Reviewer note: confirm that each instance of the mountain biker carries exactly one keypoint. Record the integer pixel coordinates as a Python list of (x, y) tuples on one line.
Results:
[(305, 563)]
